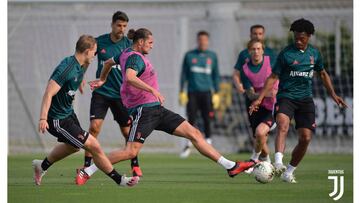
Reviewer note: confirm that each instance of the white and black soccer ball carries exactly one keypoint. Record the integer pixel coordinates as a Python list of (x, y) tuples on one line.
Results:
[(264, 172)]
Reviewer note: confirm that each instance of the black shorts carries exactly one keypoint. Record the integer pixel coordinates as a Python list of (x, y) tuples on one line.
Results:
[(68, 130), (302, 110), (100, 105), (147, 119), (263, 115)]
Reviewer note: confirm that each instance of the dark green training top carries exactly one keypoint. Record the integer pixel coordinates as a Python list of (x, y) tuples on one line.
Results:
[(295, 69), (107, 49), (68, 74)]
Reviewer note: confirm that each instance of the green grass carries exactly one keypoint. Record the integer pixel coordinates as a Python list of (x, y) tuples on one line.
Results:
[(170, 179)]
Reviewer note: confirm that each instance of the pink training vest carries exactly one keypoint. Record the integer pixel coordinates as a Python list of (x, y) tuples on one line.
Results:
[(258, 81), (130, 95)]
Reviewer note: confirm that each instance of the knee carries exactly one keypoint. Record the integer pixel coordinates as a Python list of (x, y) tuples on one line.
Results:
[(305, 138), (194, 134), (283, 128), (94, 128), (93, 146), (260, 133), (76, 149)]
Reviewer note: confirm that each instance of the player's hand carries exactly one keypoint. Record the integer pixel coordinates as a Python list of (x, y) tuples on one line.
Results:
[(82, 86), (254, 106), (158, 96), (43, 126), (96, 84), (240, 88), (216, 101), (183, 98), (339, 101)]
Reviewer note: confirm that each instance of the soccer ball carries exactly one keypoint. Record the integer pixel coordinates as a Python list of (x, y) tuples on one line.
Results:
[(264, 172)]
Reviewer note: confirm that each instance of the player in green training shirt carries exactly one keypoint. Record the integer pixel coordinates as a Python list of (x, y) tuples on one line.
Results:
[(108, 96), (57, 115), (294, 69), (201, 74)]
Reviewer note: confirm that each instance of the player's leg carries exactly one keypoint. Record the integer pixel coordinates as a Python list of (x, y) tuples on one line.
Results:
[(305, 125), (284, 111), (207, 113), (59, 152), (191, 111), (260, 141), (122, 117), (98, 109)]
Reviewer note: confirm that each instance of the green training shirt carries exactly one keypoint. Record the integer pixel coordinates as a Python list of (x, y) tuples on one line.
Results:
[(200, 71), (106, 49), (68, 74), (295, 69)]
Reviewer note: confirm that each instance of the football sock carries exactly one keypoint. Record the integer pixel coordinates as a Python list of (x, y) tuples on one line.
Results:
[(91, 169), (87, 161), (278, 158), (290, 169), (45, 164), (134, 162), (266, 158), (255, 156), (115, 176), (227, 164)]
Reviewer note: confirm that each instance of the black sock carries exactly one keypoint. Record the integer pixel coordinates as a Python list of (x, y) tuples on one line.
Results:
[(115, 176), (87, 161), (45, 164), (134, 162)]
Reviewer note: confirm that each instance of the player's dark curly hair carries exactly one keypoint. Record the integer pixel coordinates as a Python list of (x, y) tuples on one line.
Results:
[(119, 15), (302, 25)]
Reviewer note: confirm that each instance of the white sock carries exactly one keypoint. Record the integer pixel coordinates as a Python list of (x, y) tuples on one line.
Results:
[(91, 169), (227, 164), (290, 169), (255, 156), (278, 158)]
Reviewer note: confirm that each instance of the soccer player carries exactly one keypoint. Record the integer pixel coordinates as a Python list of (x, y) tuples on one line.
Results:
[(257, 32), (294, 69), (58, 117), (201, 74), (108, 96), (141, 96), (253, 75)]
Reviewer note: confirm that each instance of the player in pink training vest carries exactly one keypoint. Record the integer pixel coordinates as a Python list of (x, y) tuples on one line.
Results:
[(140, 94), (254, 74)]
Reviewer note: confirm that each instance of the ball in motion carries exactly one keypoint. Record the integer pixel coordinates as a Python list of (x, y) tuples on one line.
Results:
[(264, 172)]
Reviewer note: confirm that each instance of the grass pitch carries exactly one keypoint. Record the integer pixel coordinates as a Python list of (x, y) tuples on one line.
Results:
[(169, 179)]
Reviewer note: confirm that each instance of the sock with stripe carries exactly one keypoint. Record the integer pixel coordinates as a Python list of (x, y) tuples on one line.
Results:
[(115, 176), (45, 164), (87, 161)]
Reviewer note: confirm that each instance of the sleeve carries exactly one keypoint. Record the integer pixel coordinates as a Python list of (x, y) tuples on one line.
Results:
[(136, 63), (240, 60), (319, 65), (245, 80), (279, 64), (60, 74), (116, 58), (215, 73), (184, 73)]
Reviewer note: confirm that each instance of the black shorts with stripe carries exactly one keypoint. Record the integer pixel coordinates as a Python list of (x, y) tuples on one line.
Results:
[(147, 119), (263, 115), (68, 130)]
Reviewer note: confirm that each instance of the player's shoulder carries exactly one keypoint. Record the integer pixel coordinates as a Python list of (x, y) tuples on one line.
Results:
[(211, 53), (67, 63), (102, 38), (313, 50), (288, 49)]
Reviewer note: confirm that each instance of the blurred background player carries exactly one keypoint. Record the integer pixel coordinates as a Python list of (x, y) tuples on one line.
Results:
[(140, 92), (253, 76), (108, 96), (58, 117), (294, 69), (200, 73), (256, 32)]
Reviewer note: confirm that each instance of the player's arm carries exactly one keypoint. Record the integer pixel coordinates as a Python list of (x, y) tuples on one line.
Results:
[(51, 90), (329, 87), (251, 94), (133, 80), (237, 81), (104, 74)]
